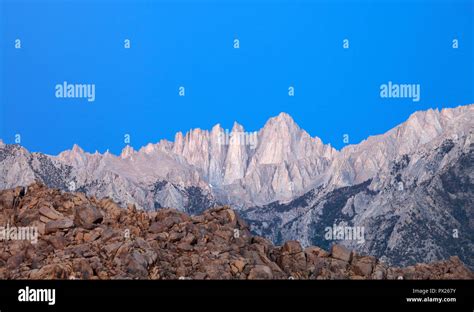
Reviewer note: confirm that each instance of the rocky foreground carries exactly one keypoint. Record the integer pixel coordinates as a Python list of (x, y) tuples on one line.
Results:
[(87, 238)]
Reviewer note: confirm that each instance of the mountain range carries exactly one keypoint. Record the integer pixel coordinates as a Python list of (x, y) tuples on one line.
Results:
[(410, 188)]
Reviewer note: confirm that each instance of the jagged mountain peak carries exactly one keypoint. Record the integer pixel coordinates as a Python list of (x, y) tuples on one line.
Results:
[(282, 140), (148, 149), (284, 117), (433, 117), (217, 128), (420, 128), (76, 149), (196, 132), (282, 121), (76, 155), (237, 127), (127, 152)]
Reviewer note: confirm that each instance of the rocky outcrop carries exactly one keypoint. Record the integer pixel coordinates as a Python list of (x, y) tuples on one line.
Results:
[(83, 237)]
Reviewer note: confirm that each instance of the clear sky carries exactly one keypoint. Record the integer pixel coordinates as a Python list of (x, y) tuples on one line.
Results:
[(191, 44)]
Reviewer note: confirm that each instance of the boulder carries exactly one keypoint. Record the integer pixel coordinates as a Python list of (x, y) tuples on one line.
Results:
[(54, 226), (291, 247), (340, 252), (363, 266), (82, 269), (52, 271), (314, 251), (87, 216), (260, 272), (239, 265), (58, 242), (50, 213)]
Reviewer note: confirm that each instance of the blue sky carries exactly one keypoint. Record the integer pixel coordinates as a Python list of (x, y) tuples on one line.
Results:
[(190, 44)]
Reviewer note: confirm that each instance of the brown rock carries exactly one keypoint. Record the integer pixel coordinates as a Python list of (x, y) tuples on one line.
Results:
[(291, 247), (234, 269), (215, 271), (162, 236), (40, 226), (58, 242), (113, 210), (232, 217), (340, 252), (224, 234), (338, 266), (189, 239), (185, 246), (67, 206), (87, 216), (239, 265), (157, 227), (87, 237), (293, 264), (175, 236), (137, 265), (91, 236), (363, 266), (314, 251), (27, 216), (17, 247), (378, 274), (58, 225), (45, 219), (260, 272), (82, 268), (103, 275), (7, 198), (15, 261), (50, 213), (111, 248), (79, 237), (52, 271)]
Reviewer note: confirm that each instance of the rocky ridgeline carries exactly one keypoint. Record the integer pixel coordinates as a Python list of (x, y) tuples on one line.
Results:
[(87, 238)]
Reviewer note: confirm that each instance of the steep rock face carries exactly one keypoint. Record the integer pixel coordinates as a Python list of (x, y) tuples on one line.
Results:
[(286, 162), (237, 157), (416, 209), (247, 168), (85, 238)]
